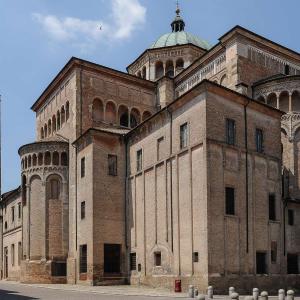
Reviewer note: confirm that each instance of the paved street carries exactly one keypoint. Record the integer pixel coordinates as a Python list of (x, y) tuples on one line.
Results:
[(11, 291)]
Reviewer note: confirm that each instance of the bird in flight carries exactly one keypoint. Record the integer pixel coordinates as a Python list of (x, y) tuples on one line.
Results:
[(100, 27)]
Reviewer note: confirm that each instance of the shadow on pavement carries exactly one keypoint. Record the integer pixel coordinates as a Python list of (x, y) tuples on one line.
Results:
[(13, 295)]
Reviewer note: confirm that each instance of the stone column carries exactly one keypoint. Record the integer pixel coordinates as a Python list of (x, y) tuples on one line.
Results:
[(277, 100), (164, 68)]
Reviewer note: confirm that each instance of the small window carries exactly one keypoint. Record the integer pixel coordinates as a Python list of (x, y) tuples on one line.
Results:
[(19, 253), (112, 165), (157, 259), (272, 207), (273, 252), (82, 211), (5, 225), (160, 142), (139, 268), (259, 140), (139, 160), (230, 131), (13, 214), (13, 254), (133, 261), (19, 210), (83, 259), (287, 70), (195, 257), (290, 217), (82, 167), (229, 198), (183, 136)]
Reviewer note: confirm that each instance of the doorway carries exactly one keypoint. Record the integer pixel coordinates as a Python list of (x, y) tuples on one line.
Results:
[(261, 263), (112, 258)]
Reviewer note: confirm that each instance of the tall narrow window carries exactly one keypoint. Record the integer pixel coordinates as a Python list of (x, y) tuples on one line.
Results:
[(160, 142), (112, 165), (83, 259), (230, 131), (259, 140), (13, 254), (183, 135), (273, 252), (195, 257), (229, 198), (82, 211), (272, 207), (54, 189), (291, 217), (19, 210), (133, 261), (139, 160), (19, 253), (157, 259), (82, 167), (13, 214)]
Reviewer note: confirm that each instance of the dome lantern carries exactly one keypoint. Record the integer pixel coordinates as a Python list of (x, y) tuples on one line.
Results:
[(178, 23)]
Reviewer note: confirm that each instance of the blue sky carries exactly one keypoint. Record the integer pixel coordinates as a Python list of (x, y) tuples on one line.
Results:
[(39, 36)]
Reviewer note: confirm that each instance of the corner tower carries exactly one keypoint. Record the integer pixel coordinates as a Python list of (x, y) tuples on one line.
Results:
[(170, 54)]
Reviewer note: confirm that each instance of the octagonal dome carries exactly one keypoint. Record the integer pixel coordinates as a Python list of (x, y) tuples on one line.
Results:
[(179, 38)]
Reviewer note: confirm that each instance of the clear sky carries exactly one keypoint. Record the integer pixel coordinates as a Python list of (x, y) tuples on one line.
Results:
[(39, 36)]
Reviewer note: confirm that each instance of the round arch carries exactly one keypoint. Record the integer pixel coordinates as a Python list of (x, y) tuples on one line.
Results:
[(110, 112), (159, 70), (123, 115), (97, 110), (272, 100), (135, 117)]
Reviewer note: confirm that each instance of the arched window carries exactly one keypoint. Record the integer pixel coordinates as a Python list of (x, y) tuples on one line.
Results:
[(25, 162), (110, 113), (42, 133), (40, 159), (97, 110), (34, 160), (139, 74), (22, 164), (53, 124), (47, 158), (123, 116), (284, 101), (53, 188), (170, 68), (144, 72), (45, 130), (29, 161), (179, 65), (67, 111), (49, 127), (296, 101), (146, 115), (135, 118), (261, 99), (58, 120), (287, 70), (159, 70), (62, 115), (64, 159), (55, 158), (272, 100)]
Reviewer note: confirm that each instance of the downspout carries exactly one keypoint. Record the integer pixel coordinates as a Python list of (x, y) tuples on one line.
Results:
[(171, 177), (247, 177)]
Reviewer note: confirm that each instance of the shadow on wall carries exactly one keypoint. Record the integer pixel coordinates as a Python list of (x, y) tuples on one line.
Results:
[(13, 295)]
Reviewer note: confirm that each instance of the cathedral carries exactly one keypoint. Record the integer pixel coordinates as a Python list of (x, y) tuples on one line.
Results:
[(185, 167)]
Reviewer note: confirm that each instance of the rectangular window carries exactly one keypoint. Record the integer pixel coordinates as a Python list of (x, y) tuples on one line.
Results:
[(83, 259), (13, 214), (160, 142), (19, 253), (229, 198), (112, 165), (261, 263), (195, 257), (292, 264), (230, 131), (157, 259), (13, 254), (19, 210), (259, 140), (273, 252), (290, 217), (139, 160), (82, 167), (82, 210), (133, 261), (272, 207), (183, 136)]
